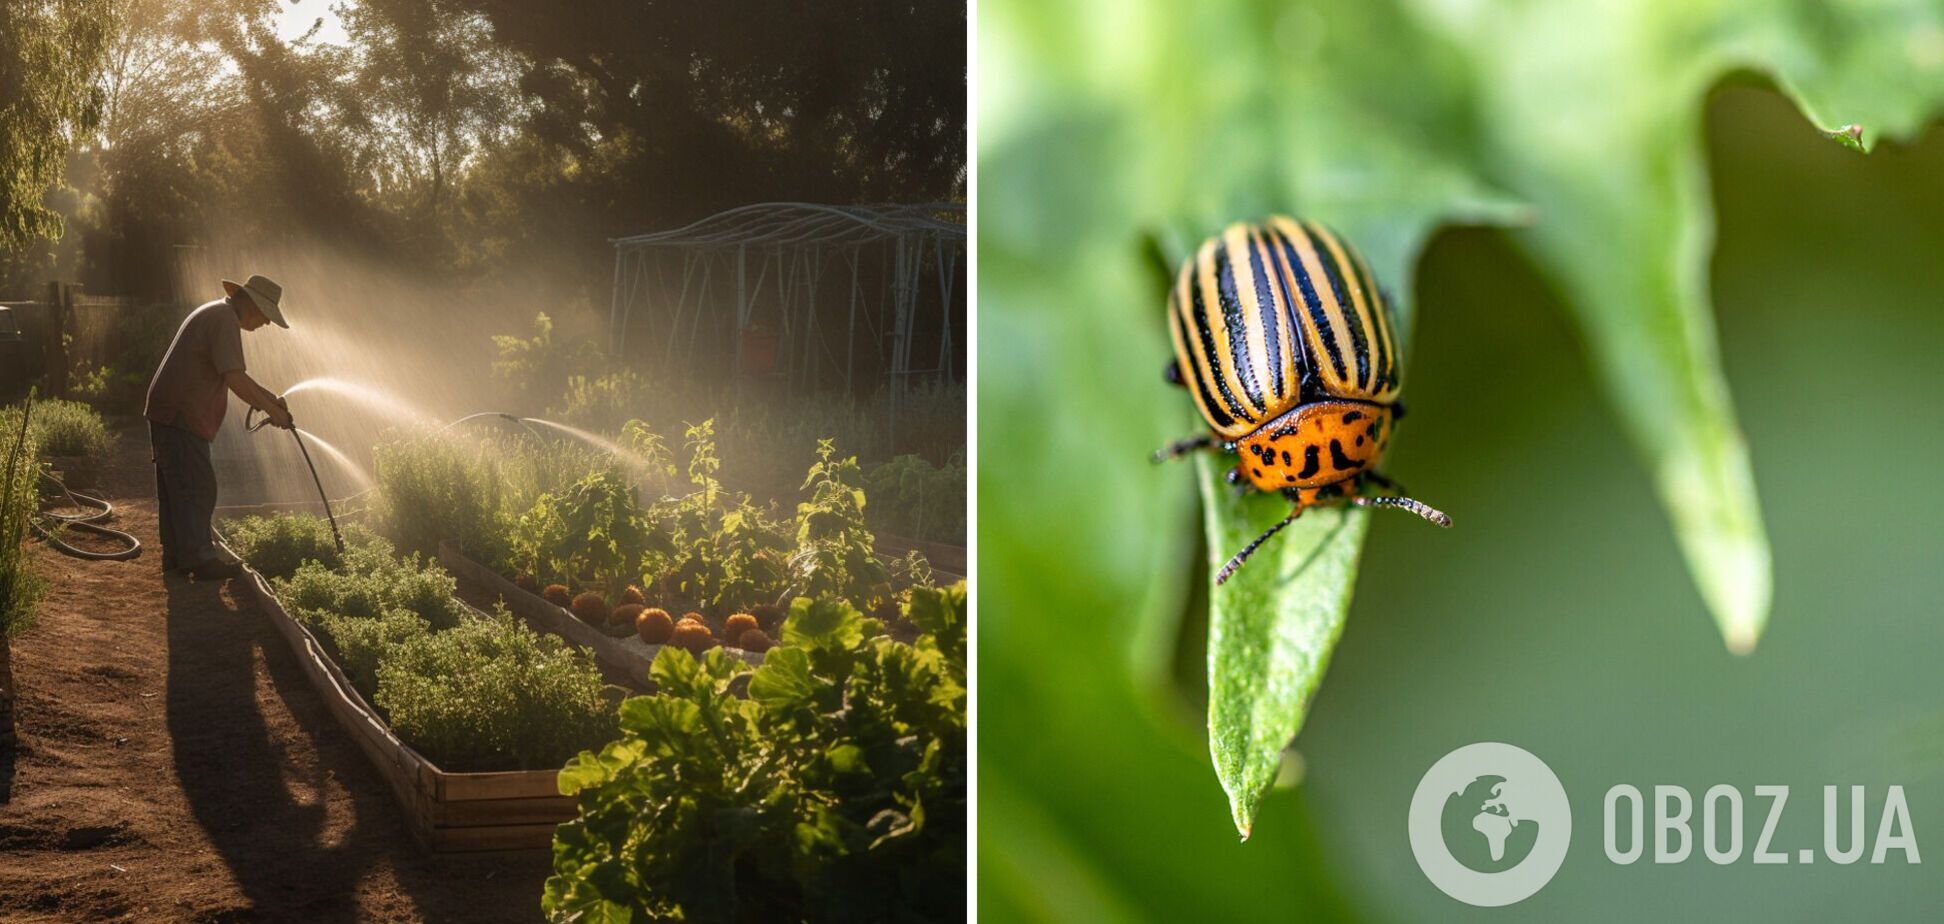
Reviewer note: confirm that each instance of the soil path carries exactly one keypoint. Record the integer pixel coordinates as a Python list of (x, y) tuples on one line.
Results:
[(174, 764)]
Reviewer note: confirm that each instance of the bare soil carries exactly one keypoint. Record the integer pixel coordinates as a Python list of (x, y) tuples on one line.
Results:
[(175, 765)]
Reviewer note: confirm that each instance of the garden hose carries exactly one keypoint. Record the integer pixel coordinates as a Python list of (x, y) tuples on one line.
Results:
[(251, 424), (85, 522)]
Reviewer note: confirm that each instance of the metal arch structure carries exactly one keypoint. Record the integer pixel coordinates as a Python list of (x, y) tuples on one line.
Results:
[(720, 281)]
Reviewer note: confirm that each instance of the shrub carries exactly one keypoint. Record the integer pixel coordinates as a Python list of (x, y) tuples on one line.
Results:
[(591, 608), (535, 367), (734, 627), (491, 694), (362, 642), (20, 587), (434, 487), (912, 497), (69, 428), (654, 626), (370, 586), (600, 402), (692, 635), (278, 545), (836, 792), (558, 595)]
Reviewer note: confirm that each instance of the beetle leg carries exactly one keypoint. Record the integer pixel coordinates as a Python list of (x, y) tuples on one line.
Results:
[(1173, 373), (1413, 505), (1228, 570), (1182, 447)]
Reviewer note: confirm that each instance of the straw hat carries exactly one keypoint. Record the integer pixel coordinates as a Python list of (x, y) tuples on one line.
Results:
[(265, 294)]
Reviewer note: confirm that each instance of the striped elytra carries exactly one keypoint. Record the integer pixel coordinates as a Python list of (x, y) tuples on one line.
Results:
[(1267, 316), (1287, 345)]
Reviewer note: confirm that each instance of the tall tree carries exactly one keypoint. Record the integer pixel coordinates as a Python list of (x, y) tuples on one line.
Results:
[(51, 53)]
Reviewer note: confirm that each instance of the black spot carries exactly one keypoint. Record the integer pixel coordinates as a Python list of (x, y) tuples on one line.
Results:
[(1258, 473), (1360, 440), (1310, 464), (1371, 431), (1338, 460), (1285, 455), (1289, 478), (1353, 417)]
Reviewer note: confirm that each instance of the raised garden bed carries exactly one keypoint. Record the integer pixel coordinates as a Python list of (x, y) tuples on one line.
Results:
[(622, 660), (446, 811)]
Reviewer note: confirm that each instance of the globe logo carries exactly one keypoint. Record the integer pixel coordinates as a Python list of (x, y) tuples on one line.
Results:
[(1481, 829), (1490, 824)]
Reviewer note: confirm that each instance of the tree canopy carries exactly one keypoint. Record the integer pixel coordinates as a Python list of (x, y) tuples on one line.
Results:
[(50, 55), (483, 137)]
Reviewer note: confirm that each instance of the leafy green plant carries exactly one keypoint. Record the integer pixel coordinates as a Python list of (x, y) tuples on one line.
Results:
[(592, 531), (491, 694), (836, 554), (835, 792), (715, 548)]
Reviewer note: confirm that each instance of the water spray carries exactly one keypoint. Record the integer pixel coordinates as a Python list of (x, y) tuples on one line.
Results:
[(251, 424)]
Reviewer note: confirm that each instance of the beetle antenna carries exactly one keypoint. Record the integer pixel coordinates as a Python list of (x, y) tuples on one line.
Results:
[(1413, 505), (1235, 564), (1182, 447)]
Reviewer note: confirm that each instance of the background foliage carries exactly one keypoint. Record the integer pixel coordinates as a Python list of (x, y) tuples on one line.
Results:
[(1558, 594), (475, 138), (50, 52)]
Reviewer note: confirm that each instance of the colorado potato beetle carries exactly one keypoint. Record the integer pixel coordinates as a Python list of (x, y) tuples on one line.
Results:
[(1286, 345)]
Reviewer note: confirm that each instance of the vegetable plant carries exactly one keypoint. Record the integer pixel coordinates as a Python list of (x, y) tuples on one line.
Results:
[(836, 554), (834, 792), (592, 531)]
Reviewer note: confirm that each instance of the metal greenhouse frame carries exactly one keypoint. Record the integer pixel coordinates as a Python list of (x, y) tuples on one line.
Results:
[(773, 263)]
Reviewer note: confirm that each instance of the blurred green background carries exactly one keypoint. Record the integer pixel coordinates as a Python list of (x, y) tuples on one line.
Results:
[(1558, 615)]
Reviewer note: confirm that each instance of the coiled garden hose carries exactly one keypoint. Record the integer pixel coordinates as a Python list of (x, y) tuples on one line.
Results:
[(85, 522)]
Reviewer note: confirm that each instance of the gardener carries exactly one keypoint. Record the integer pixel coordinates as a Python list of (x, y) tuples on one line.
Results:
[(186, 403)]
